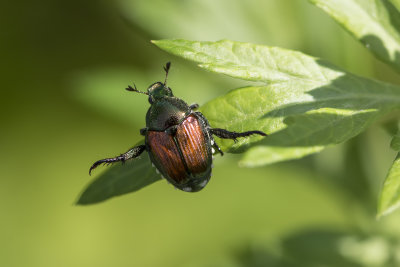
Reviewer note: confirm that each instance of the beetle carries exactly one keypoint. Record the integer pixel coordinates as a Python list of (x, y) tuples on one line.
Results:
[(178, 139)]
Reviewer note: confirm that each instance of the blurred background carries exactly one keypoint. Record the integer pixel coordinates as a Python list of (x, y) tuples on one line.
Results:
[(64, 66)]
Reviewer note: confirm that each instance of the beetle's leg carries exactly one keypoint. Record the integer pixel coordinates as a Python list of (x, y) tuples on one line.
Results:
[(130, 154), (143, 131), (225, 134), (214, 145), (172, 130), (194, 106)]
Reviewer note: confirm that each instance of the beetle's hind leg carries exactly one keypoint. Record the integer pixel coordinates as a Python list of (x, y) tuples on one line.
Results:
[(225, 134), (130, 154), (216, 147)]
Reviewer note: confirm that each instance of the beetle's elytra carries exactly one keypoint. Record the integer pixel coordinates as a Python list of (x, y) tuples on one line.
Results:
[(178, 139)]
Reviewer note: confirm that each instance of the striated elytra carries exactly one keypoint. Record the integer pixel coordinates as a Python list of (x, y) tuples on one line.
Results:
[(178, 139)]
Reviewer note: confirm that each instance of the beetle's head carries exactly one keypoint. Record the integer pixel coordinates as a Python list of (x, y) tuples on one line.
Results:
[(156, 90)]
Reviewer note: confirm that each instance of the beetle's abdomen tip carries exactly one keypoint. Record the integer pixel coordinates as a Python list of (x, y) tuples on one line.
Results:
[(196, 186)]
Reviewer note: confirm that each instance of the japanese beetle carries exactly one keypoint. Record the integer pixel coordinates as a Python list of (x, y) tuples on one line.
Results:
[(178, 139)]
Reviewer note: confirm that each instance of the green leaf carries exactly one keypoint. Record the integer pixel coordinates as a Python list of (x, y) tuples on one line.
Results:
[(118, 180), (375, 23), (389, 199), (303, 103)]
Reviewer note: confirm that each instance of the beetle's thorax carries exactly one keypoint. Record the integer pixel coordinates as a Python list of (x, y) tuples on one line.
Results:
[(166, 111)]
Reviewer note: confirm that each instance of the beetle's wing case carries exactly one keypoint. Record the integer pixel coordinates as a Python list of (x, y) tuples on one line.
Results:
[(194, 144), (165, 156), (185, 159)]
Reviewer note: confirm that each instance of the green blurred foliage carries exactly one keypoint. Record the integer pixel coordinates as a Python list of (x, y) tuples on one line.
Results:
[(55, 56)]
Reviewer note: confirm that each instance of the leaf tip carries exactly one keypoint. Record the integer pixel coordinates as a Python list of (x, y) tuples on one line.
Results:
[(387, 210), (81, 201), (162, 44)]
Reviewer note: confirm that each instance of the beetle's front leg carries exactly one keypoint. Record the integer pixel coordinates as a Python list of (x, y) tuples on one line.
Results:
[(130, 154), (225, 134), (143, 131), (194, 106)]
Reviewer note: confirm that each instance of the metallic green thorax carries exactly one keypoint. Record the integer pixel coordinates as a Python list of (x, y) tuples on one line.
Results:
[(165, 110)]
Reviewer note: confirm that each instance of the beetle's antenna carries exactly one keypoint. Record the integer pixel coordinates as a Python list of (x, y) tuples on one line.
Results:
[(166, 68), (134, 89)]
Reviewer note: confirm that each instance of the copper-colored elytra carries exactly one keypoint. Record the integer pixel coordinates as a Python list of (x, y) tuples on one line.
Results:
[(193, 145), (191, 140), (167, 155)]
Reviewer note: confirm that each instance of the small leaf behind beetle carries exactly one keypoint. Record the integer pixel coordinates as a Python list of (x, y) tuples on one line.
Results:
[(389, 199), (395, 143)]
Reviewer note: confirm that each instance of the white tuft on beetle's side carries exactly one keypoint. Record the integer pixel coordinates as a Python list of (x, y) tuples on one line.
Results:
[(203, 184)]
